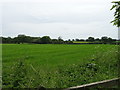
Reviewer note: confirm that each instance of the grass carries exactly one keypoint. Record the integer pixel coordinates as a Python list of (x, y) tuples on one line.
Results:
[(57, 66), (81, 42)]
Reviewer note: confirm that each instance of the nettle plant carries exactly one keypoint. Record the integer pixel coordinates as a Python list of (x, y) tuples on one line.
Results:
[(116, 20)]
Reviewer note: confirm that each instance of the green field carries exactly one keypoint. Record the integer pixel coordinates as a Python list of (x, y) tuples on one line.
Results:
[(57, 66), (81, 42)]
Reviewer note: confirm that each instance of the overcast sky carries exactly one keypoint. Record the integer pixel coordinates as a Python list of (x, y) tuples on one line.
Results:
[(66, 18)]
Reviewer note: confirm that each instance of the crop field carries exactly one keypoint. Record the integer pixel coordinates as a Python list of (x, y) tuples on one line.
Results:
[(81, 42), (57, 65)]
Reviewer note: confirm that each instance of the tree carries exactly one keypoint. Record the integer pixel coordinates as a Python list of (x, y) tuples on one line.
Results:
[(104, 39), (60, 40), (7, 40), (116, 20), (45, 40), (110, 40), (0, 40), (28, 39), (36, 40), (91, 39), (77, 40), (21, 38), (55, 41), (69, 40), (81, 40), (97, 40), (73, 40)]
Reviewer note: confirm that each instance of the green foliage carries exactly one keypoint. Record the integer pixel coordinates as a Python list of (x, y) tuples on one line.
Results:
[(96, 69), (90, 39), (57, 66), (17, 78), (45, 40), (20, 39), (116, 20)]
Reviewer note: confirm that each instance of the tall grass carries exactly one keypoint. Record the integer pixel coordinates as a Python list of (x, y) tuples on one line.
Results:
[(99, 66)]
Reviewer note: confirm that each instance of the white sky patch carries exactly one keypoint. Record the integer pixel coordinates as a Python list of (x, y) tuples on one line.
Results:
[(65, 30), (65, 18), (57, 1)]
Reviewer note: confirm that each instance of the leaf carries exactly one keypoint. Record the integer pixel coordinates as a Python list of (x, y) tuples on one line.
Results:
[(116, 20), (113, 7)]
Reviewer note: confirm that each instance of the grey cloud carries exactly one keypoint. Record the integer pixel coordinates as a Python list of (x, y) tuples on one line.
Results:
[(73, 20)]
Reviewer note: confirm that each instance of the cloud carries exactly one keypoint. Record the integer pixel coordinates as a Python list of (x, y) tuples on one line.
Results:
[(65, 30), (57, 1), (50, 13), (66, 18)]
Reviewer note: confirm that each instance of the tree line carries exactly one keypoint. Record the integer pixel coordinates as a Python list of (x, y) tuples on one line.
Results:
[(20, 39), (47, 40), (103, 40)]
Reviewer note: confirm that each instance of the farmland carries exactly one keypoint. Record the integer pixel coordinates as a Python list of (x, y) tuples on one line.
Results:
[(57, 65)]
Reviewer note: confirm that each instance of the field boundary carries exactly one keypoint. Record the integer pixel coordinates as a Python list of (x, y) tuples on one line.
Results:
[(105, 84), (97, 43)]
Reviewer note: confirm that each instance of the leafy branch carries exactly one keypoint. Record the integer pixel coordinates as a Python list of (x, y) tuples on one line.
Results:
[(116, 20)]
